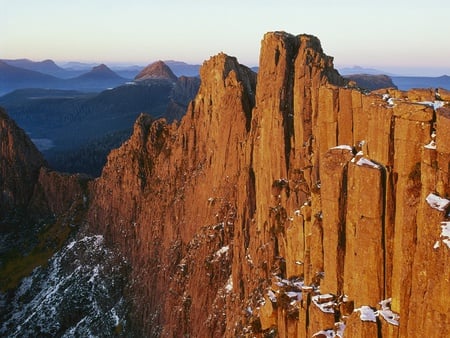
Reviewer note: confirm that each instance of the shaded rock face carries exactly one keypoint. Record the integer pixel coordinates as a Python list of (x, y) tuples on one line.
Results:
[(294, 207), (20, 163)]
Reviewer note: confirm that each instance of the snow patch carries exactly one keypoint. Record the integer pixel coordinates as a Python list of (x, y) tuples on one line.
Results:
[(324, 302), (437, 202), (431, 145), (221, 251), (433, 104), (445, 233), (229, 285), (344, 147), (366, 314), (368, 163), (386, 312), (337, 332)]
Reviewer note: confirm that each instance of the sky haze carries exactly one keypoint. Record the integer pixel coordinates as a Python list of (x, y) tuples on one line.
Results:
[(403, 37)]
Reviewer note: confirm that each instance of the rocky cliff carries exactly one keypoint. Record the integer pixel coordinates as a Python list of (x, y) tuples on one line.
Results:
[(283, 204), (20, 162), (296, 207)]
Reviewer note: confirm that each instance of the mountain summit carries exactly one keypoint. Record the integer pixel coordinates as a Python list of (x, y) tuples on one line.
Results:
[(100, 72), (156, 70)]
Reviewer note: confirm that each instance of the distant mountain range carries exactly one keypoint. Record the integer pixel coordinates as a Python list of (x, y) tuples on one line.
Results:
[(95, 80), (76, 130), (402, 82), (356, 70), (25, 73)]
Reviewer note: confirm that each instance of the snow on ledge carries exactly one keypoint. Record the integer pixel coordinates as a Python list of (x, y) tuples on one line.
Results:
[(436, 202), (325, 302), (337, 332), (367, 163), (343, 147), (433, 104), (229, 285), (386, 312), (431, 145), (367, 314), (221, 251)]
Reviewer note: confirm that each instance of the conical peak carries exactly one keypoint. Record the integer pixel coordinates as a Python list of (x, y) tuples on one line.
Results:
[(102, 68), (156, 70)]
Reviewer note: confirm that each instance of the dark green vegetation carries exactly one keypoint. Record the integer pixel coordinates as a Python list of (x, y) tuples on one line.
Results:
[(39, 244)]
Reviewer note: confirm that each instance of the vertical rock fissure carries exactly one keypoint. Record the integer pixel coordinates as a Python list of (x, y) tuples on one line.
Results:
[(287, 101), (341, 232)]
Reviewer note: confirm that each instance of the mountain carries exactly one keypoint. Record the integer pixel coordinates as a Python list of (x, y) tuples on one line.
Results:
[(371, 82), (97, 79), (410, 82), (46, 67), (156, 71), (361, 70), (78, 66), (12, 77), (76, 130), (100, 73), (181, 68), (283, 204), (261, 196)]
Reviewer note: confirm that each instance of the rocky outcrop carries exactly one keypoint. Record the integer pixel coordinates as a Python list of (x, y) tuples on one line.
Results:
[(296, 207), (284, 204), (188, 176)]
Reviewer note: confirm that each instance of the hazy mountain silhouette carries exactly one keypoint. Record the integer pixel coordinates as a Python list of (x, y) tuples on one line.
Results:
[(409, 82), (82, 128), (12, 77), (46, 67)]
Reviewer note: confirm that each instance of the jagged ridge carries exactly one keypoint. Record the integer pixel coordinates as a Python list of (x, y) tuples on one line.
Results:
[(255, 192), (271, 192)]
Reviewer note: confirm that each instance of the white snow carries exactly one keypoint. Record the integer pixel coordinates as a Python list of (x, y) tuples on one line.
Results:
[(272, 296), (445, 233), (366, 314), (229, 285), (221, 251), (431, 145), (437, 202), (433, 104), (366, 162), (343, 147), (327, 333), (294, 295), (338, 331), (386, 312), (324, 302)]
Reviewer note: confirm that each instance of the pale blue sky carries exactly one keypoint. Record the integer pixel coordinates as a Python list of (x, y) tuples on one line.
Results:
[(401, 36)]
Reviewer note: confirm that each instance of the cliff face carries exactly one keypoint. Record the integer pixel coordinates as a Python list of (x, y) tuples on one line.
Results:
[(20, 162), (296, 206)]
